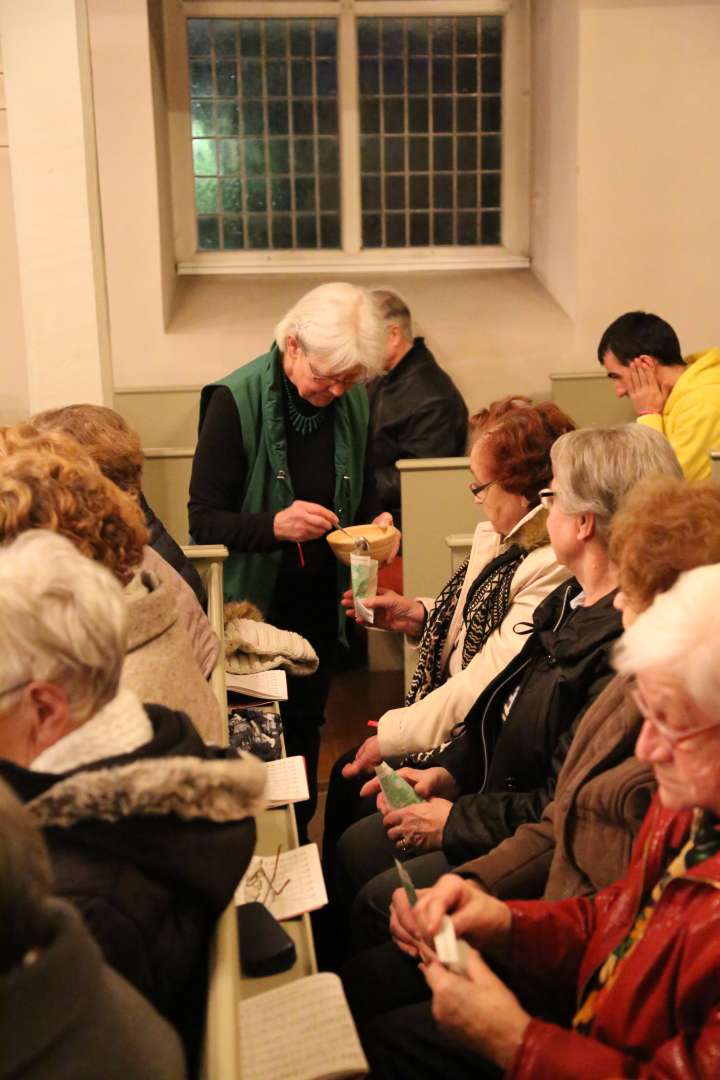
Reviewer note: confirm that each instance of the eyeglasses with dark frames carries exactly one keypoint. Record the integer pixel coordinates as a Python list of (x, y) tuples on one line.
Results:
[(479, 490), (546, 497)]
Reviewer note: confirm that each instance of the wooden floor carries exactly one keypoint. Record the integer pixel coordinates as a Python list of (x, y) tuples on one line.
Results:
[(356, 696)]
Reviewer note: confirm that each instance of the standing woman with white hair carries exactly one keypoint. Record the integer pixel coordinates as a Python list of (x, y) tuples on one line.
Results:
[(280, 461)]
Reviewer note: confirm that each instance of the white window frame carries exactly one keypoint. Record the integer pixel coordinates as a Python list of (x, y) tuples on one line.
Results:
[(512, 253)]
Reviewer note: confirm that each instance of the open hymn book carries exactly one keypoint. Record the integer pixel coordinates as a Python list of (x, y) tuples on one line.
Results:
[(301, 1031)]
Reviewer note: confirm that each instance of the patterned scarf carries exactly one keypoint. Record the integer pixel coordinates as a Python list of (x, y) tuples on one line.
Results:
[(703, 842), (487, 604)]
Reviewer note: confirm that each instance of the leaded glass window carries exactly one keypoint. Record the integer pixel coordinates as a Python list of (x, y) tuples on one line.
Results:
[(268, 160), (430, 118), (265, 133)]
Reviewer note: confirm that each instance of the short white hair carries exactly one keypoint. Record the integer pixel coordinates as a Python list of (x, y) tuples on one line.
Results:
[(339, 324), (679, 634), (62, 620), (595, 468)]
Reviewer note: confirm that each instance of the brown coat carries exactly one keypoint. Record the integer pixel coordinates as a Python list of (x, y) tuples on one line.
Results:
[(583, 840)]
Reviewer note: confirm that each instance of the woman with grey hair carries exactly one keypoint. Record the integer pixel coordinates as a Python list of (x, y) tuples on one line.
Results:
[(498, 770), (105, 1027), (149, 830), (280, 461)]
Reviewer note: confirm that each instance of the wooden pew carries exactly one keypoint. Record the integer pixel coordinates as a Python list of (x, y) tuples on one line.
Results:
[(226, 986)]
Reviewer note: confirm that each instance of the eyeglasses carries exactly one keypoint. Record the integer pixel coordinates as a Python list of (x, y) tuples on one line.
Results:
[(670, 735), (260, 882), (333, 380), (17, 686), (479, 490), (546, 497)]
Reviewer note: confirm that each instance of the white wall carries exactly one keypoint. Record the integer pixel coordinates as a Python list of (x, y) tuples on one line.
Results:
[(555, 148), (13, 373), (627, 163), (649, 153)]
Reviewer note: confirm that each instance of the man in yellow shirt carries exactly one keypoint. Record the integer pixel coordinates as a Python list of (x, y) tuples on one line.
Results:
[(679, 397)]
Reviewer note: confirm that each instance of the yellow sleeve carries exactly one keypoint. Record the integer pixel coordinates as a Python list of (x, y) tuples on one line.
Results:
[(693, 429)]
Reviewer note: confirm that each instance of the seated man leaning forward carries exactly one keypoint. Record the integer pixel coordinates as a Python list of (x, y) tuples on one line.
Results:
[(416, 411), (678, 397), (630, 975), (149, 830)]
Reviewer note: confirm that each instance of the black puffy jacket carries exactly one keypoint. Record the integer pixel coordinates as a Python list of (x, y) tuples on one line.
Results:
[(511, 766), (150, 856), (416, 411)]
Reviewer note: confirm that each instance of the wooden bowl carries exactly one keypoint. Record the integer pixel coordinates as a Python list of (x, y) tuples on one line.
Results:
[(380, 541)]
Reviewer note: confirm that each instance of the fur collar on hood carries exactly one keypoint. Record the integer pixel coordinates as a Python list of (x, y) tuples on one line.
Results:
[(188, 787)]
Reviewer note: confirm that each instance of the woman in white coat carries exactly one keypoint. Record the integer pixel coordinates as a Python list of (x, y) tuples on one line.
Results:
[(478, 623)]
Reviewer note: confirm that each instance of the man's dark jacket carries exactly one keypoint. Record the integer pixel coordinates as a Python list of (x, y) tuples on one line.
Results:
[(416, 411), (511, 766), (150, 847)]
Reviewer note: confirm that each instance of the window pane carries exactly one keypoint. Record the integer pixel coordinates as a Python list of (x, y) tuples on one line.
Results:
[(265, 132), (232, 196), (206, 195), (232, 232), (208, 233), (430, 119)]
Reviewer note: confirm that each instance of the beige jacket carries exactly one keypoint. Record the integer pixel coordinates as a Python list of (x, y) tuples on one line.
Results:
[(428, 722), (159, 662), (203, 639)]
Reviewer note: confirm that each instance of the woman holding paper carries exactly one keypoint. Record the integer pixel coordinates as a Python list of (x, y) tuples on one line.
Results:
[(280, 461), (476, 625)]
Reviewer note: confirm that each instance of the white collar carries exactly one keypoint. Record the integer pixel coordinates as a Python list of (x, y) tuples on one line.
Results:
[(119, 727), (578, 601)]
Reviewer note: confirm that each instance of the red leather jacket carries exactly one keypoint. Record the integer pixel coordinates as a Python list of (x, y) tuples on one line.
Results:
[(661, 1018)]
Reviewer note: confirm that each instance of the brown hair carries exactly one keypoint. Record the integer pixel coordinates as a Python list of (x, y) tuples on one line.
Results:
[(67, 494), (664, 528), (105, 435), (518, 435)]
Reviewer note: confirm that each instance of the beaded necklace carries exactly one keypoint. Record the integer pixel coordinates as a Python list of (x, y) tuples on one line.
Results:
[(303, 424)]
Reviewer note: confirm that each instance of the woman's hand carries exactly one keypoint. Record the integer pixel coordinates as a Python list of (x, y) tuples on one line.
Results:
[(303, 521), (427, 782), (477, 1009), (385, 520), (481, 919), (403, 927), (419, 827), (392, 611), (367, 757)]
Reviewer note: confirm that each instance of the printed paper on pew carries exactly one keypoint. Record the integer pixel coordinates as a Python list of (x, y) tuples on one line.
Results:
[(301, 1031), (288, 884), (267, 685), (286, 781)]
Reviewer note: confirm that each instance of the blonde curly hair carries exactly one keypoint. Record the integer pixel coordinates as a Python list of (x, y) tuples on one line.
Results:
[(664, 528), (42, 488)]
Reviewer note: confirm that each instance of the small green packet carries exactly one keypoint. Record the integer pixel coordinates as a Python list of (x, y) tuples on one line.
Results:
[(363, 573)]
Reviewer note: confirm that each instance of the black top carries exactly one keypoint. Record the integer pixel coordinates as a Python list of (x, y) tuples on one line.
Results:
[(512, 763), (416, 411), (218, 481)]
